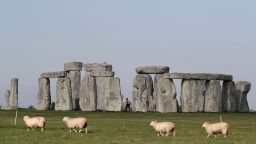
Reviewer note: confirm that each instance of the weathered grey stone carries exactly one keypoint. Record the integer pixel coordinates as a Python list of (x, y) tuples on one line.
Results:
[(165, 94), (44, 94), (243, 88), (143, 100), (60, 74), (97, 67), (102, 73), (88, 93), (152, 69), (14, 93), (213, 97), (192, 95), (7, 99), (63, 94), (229, 97), (200, 76), (73, 66), (75, 78), (113, 94), (108, 94)]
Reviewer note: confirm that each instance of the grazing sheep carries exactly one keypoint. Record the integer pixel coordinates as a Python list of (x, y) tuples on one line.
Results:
[(163, 127), (216, 128), (76, 123), (34, 122)]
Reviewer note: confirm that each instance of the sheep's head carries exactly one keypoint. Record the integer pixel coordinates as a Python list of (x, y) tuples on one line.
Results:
[(25, 117), (66, 118), (205, 124), (153, 123)]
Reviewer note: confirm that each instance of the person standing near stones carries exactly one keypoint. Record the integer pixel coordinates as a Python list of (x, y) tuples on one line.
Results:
[(127, 106)]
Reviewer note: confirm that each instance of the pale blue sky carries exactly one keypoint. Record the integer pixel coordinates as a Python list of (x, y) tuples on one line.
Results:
[(189, 36)]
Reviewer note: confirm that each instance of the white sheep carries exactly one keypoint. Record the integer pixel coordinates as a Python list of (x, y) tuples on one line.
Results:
[(76, 123), (163, 127), (34, 122), (216, 128)]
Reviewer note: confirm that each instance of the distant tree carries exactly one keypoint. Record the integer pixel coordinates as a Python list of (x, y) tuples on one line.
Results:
[(31, 107)]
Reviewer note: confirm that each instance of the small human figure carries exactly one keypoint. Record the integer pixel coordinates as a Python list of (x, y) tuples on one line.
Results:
[(127, 106)]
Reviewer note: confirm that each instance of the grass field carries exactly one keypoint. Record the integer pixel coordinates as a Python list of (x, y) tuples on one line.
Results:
[(126, 128)]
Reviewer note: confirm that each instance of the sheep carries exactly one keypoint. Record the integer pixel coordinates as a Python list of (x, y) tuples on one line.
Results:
[(163, 127), (216, 128), (76, 123), (34, 122)]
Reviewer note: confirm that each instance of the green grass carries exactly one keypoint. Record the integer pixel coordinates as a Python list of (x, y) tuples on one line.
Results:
[(125, 128)]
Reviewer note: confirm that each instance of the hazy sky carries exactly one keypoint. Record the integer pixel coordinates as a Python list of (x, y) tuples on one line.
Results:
[(188, 36)]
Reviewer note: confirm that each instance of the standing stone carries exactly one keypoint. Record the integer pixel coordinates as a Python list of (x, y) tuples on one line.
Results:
[(213, 97), (73, 72), (88, 101), (192, 95), (229, 97), (7, 99), (165, 94), (63, 94), (243, 88), (113, 94), (143, 93), (14, 93), (44, 94), (75, 77)]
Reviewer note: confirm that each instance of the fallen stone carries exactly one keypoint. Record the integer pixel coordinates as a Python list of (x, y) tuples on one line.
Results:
[(97, 67), (73, 66), (60, 74), (152, 69), (200, 76)]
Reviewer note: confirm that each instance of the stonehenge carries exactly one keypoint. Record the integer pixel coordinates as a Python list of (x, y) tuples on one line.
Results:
[(11, 96), (153, 89)]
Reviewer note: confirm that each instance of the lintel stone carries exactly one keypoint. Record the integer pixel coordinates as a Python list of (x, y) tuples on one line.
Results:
[(60, 74), (201, 76), (152, 69), (73, 66), (97, 67), (102, 73)]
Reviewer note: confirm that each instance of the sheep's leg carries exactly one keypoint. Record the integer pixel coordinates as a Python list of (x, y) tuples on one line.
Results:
[(162, 134), (75, 130), (167, 133), (70, 130), (208, 136), (158, 134), (85, 130), (42, 129), (33, 129), (80, 130), (215, 135), (28, 129), (173, 133)]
